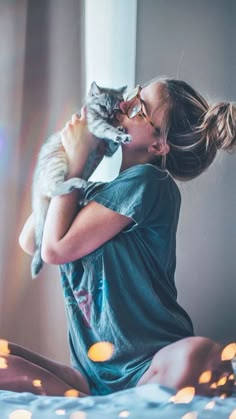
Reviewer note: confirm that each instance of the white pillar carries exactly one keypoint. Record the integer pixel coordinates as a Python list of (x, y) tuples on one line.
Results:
[(110, 52)]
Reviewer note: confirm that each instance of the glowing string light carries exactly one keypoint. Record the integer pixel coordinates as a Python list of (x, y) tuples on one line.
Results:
[(3, 363), (20, 414), (229, 352), (221, 381), (37, 383), (190, 415), (4, 347), (205, 377), (124, 414), (71, 393), (233, 414), (185, 395), (101, 351), (210, 405), (78, 415)]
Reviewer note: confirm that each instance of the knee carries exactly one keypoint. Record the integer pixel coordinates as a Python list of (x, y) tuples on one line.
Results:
[(206, 371)]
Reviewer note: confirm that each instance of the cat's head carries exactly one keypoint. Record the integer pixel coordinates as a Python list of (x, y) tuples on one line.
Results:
[(105, 101)]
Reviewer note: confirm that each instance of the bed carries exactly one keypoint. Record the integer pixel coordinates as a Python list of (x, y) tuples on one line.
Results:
[(150, 401)]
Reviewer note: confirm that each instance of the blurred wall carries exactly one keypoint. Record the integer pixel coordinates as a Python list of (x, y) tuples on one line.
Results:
[(42, 83), (195, 41)]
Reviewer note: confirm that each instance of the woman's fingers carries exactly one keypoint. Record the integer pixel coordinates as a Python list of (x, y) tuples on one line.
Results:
[(74, 118), (83, 113)]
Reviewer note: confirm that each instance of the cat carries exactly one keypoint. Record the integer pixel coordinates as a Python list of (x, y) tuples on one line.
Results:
[(51, 167)]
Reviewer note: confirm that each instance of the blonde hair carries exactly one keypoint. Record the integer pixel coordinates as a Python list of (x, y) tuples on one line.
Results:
[(193, 129)]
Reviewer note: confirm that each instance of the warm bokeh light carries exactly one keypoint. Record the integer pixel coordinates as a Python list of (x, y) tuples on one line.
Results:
[(229, 352), (20, 414), (221, 381), (210, 405), (213, 385), (78, 415), (124, 414), (185, 395), (101, 351), (233, 414), (37, 383), (4, 349), (190, 415), (205, 377), (71, 393), (231, 377), (3, 363)]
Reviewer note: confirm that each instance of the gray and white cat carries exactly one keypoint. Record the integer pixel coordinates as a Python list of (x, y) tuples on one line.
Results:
[(52, 168)]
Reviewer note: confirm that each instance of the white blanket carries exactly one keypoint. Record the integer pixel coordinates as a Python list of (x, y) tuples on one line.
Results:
[(149, 401)]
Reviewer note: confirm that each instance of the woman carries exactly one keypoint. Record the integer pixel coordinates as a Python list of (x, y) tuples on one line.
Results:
[(117, 253)]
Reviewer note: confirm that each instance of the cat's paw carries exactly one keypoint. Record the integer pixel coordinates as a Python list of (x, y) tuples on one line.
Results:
[(123, 138), (121, 129), (68, 186)]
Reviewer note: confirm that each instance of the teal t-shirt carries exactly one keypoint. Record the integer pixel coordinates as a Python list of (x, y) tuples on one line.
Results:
[(124, 292)]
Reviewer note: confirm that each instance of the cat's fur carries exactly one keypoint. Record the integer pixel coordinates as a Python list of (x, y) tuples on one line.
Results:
[(52, 168)]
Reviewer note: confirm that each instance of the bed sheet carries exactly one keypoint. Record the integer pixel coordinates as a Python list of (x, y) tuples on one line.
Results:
[(150, 401)]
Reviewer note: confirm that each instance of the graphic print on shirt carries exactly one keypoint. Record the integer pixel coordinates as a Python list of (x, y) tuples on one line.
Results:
[(100, 294), (91, 297), (84, 300)]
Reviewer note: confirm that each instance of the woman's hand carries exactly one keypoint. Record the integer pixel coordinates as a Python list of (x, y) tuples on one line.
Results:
[(79, 144)]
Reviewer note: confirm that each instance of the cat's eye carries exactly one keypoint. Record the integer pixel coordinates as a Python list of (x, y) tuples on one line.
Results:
[(103, 108)]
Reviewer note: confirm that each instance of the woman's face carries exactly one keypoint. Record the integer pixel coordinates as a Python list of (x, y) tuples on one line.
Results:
[(140, 128)]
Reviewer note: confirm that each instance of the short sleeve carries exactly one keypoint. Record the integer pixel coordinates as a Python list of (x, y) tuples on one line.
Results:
[(135, 193)]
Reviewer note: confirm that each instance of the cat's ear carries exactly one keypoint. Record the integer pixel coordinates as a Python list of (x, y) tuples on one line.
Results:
[(122, 89), (94, 89)]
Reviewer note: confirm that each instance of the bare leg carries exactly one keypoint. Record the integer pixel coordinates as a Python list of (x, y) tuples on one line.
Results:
[(25, 363), (180, 364), (20, 376)]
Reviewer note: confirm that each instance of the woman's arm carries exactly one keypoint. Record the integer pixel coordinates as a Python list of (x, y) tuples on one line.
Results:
[(93, 226), (69, 235), (26, 239)]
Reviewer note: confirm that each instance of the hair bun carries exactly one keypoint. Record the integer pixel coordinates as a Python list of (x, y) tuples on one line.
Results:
[(220, 125)]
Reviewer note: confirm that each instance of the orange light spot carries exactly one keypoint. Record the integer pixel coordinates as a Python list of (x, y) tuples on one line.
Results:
[(210, 405), (71, 393), (231, 377), (3, 363), (101, 351), (223, 396), (229, 352), (185, 395), (205, 377), (20, 414), (233, 415), (4, 349), (190, 415), (37, 383), (213, 385), (221, 381)]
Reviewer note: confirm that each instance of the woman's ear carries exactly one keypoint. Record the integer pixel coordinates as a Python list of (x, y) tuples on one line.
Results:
[(159, 148)]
